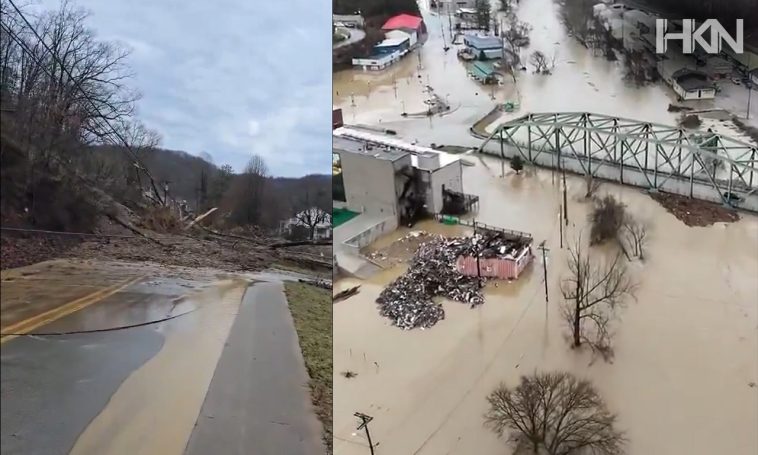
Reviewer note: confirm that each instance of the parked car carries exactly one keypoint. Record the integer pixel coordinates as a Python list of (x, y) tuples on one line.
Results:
[(736, 81)]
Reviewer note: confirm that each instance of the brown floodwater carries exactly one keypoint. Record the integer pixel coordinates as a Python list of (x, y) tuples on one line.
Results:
[(686, 348), (684, 377)]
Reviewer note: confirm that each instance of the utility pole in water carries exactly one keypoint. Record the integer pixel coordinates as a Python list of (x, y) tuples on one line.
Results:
[(365, 419), (544, 267)]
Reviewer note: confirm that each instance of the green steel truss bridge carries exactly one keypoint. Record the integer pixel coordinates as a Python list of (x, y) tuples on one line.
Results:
[(706, 165)]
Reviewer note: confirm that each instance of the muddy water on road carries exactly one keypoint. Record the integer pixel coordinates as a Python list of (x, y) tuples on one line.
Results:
[(686, 349)]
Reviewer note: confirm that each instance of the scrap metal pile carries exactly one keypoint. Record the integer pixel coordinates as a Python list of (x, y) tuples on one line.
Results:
[(407, 301), (491, 244)]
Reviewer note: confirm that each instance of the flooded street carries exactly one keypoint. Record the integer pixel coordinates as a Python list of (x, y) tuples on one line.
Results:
[(580, 82), (107, 352), (686, 350), (684, 376)]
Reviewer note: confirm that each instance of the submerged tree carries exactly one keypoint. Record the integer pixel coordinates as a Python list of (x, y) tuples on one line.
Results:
[(483, 10), (517, 164), (593, 291), (554, 413), (606, 219)]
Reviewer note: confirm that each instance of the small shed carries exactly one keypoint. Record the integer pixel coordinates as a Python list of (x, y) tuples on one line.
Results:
[(483, 72), (692, 84)]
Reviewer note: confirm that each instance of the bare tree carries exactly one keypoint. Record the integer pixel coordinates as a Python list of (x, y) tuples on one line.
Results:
[(540, 63), (593, 291), (592, 186), (248, 192), (483, 12), (606, 218), (554, 413), (311, 218), (635, 236), (516, 32)]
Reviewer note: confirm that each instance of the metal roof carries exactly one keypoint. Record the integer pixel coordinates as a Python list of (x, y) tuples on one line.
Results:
[(389, 42), (402, 21), (483, 42)]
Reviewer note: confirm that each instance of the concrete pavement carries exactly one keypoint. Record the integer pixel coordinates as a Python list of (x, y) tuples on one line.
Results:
[(259, 397)]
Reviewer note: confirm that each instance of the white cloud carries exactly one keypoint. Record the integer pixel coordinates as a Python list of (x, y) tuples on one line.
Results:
[(246, 84), (253, 128)]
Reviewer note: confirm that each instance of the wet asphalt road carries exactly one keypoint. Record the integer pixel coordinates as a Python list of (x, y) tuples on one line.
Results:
[(97, 393), (52, 387)]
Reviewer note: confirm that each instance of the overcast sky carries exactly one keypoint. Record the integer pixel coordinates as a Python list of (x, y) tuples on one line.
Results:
[(230, 77)]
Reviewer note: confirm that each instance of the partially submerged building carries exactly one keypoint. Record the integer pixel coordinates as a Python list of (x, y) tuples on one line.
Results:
[(496, 253), (412, 25), (402, 34), (387, 177), (484, 47), (690, 84)]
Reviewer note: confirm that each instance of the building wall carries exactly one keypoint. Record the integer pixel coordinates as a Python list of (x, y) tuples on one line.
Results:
[(702, 94), (368, 236), (375, 64), (369, 184), (451, 176)]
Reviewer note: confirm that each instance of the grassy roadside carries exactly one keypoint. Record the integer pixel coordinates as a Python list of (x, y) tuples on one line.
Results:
[(311, 309)]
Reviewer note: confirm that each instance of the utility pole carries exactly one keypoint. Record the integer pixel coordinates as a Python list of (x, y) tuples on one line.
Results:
[(450, 21), (365, 419), (565, 198), (544, 266), (560, 225), (478, 254), (749, 85), (394, 85)]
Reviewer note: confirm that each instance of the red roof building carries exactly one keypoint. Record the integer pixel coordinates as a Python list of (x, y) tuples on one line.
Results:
[(405, 22)]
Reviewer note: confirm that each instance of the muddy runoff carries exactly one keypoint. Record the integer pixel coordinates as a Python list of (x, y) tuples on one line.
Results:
[(686, 349), (684, 375)]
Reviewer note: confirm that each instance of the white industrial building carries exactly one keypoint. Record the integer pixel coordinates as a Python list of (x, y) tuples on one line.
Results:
[(382, 176)]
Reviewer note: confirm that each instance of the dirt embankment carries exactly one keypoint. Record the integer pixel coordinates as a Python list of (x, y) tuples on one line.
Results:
[(693, 212)]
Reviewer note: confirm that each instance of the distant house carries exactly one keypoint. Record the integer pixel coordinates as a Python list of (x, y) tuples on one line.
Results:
[(691, 84), (484, 47), (412, 25), (348, 20), (322, 230)]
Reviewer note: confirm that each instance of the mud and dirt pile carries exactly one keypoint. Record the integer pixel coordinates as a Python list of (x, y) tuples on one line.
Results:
[(407, 301), (693, 212), (402, 250)]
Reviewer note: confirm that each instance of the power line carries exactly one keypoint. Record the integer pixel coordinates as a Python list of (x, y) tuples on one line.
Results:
[(79, 87)]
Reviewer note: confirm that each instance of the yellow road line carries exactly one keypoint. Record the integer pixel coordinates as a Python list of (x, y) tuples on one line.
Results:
[(29, 324)]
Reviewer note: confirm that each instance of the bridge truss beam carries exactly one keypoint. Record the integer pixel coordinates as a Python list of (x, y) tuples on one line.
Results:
[(706, 166)]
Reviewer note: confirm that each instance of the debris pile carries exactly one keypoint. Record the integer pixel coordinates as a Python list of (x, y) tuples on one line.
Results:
[(407, 301), (493, 244)]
